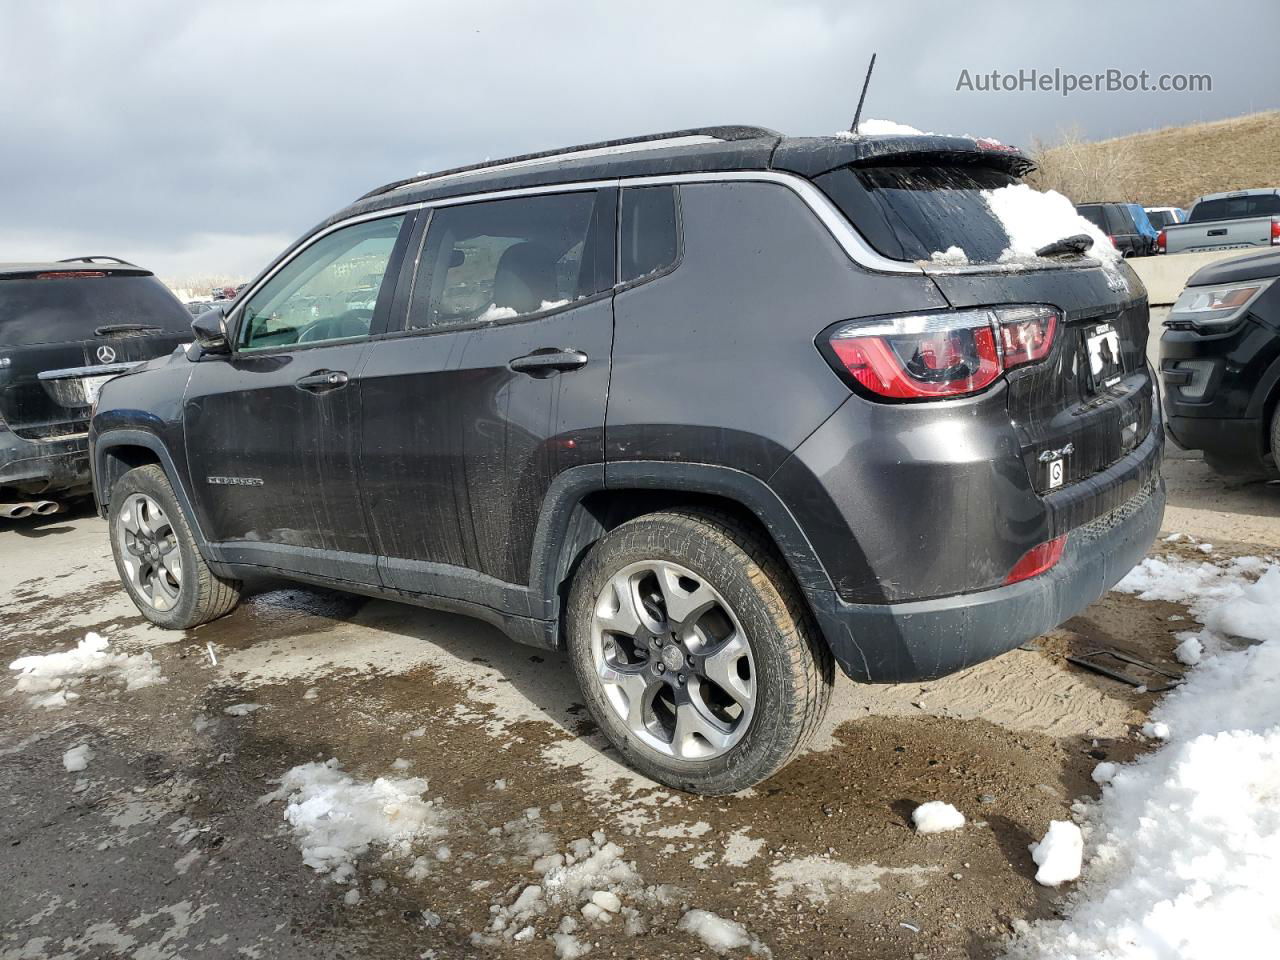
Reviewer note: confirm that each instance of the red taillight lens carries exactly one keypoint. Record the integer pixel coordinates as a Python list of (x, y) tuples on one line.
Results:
[(69, 275), (1275, 231), (1037, 560), (941, 354), (1026, 333), (1161, 244)]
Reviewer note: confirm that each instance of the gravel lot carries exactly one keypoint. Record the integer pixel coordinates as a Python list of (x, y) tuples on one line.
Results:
[(163, 847)]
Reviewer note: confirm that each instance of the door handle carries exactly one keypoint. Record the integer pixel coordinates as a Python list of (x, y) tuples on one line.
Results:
[(323, 380), (549, 360)]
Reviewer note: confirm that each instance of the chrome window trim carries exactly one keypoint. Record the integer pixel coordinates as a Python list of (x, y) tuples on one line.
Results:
[(852, 242)]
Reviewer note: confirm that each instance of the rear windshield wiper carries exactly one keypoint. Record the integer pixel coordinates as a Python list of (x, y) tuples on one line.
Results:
[(109, 328), (1078, 243)]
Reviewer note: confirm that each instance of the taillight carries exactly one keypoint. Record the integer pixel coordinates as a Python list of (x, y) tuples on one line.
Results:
[(70, 275), (1037, 560), (1275, 231), (935, 355), (1162, 246)]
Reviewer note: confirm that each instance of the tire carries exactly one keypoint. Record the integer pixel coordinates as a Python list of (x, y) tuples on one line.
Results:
[(703, 587), (144, 514)]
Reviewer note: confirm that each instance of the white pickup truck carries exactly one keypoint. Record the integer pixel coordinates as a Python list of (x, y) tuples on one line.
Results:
[(1226, 221)]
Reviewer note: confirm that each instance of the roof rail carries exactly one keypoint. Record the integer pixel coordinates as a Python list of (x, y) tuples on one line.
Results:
[(98, 258), (649, 141)]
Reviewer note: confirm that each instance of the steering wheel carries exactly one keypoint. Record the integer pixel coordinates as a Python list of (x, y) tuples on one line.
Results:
[(350, 323)]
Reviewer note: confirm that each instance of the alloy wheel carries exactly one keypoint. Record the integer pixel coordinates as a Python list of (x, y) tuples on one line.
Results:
[(673, 660), (149, 550)]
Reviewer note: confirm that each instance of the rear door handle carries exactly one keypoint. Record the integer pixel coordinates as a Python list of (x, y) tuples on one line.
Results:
[(549, 360), (323, 380)]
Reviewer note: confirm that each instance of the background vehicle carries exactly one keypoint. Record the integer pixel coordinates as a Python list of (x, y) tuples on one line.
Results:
[(1228, 221), (197, 307), (550, 417), (1144, 225), (95, 316), (1117, 222), (1161, 217), (1220, 363)]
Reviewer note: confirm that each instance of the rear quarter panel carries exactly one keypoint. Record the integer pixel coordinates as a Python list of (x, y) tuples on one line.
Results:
[(716, 361)]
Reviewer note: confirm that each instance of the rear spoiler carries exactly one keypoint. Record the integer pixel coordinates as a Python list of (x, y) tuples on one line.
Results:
[(814, 156)]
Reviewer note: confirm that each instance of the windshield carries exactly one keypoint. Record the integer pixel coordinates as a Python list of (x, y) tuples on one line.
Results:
[(1236, 208), (65, 309), (913, 212)]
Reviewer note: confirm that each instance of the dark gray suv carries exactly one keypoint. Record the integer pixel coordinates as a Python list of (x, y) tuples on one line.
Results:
[(701, 407)]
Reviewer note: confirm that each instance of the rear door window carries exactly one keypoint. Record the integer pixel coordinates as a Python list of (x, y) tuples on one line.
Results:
[(502, 259), (58, 308), (1093, 213), (1119, 222), (1236, 208), (648, 231)]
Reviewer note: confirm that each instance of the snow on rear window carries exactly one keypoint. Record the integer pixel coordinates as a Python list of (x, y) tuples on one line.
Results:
[(1033, 219)]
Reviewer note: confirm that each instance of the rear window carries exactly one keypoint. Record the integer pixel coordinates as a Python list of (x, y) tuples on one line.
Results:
[(912, 212), (1095, 216), (1236, 208), (62, 310), (1160, 218)]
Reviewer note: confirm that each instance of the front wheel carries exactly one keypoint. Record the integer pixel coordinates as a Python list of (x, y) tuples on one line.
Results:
[(157, 558), (695, 651)]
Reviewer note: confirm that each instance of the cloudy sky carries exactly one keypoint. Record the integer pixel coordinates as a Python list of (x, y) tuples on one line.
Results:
[(200, 138)]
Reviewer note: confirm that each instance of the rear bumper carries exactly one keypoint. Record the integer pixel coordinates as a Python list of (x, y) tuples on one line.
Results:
[(40, 468), (900, 642)]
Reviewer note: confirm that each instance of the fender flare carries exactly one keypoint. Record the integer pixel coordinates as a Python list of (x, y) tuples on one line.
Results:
[(552, 555), (127, 437)]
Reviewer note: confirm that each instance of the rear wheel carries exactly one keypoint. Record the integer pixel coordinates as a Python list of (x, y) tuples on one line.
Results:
[(695, 652), (157, 558)]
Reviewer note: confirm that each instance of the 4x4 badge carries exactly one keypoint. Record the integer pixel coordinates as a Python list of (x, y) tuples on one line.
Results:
[(106, 354)]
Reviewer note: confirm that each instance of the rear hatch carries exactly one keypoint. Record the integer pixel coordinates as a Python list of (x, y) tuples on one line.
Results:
[(61, 317), (1089, 402)]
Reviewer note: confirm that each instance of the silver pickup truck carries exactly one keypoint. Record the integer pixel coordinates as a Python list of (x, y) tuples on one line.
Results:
[(1226, 221)]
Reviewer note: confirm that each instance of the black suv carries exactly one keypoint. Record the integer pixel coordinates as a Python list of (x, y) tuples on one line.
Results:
[(1220, 361), (65, 328), (1116, 221), (698, 407)]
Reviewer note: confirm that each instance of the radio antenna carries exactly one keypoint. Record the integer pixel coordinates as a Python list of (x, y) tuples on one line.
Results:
[(865, 83)]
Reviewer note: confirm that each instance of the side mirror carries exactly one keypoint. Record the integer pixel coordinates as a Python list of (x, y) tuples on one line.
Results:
[(210, 329)]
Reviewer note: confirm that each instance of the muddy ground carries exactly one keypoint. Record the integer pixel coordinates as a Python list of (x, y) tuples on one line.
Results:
[(163, 847)]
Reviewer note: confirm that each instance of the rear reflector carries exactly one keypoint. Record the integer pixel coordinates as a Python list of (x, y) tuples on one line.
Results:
[(945, 354), (70, 275), (1037, 560)]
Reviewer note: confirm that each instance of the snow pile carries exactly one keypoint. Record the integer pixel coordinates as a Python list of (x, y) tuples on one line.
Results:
[(719, 934), (952, 256), (1185, 843), (1201, 585), (1059, 854), (77, 758), (493, 312), (336, 818), (936, 817), (588, 877), (49, 677), (880, 128), (1034, 219), (242, 709)]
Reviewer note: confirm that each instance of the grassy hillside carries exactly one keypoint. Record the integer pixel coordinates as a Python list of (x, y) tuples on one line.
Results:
[(1165, 167)]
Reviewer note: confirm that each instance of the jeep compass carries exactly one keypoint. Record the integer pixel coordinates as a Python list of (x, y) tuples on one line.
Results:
[(702, 408)]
